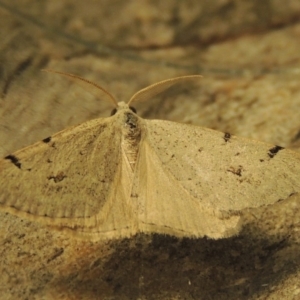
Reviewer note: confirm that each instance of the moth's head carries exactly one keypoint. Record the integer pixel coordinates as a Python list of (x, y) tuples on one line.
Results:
[(122, 106)]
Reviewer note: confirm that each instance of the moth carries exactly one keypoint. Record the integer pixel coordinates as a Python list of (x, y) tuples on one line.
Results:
[(117, 176)]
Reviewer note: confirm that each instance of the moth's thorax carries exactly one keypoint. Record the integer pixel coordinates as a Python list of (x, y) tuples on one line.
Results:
[(131, 134)]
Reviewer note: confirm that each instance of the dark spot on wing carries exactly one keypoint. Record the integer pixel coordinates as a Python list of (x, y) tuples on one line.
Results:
[(57, 178), (273, 151), (47, 140), (236, 171), (227, 137), (14, 160)]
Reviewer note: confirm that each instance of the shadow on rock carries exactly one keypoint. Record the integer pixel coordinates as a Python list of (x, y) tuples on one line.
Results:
[(162, 267)]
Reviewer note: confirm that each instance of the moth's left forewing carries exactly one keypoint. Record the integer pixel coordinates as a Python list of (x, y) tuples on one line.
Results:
[(198, 175), (164, 205)]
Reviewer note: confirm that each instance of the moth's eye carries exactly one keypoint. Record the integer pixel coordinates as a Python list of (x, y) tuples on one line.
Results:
[(113, 112), (133, 109)]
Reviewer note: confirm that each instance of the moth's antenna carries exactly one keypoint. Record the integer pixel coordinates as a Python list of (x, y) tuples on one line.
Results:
[(156, 88), (75, 77)]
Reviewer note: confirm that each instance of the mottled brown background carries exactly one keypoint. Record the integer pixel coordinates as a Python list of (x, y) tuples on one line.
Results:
[(248, 52)]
